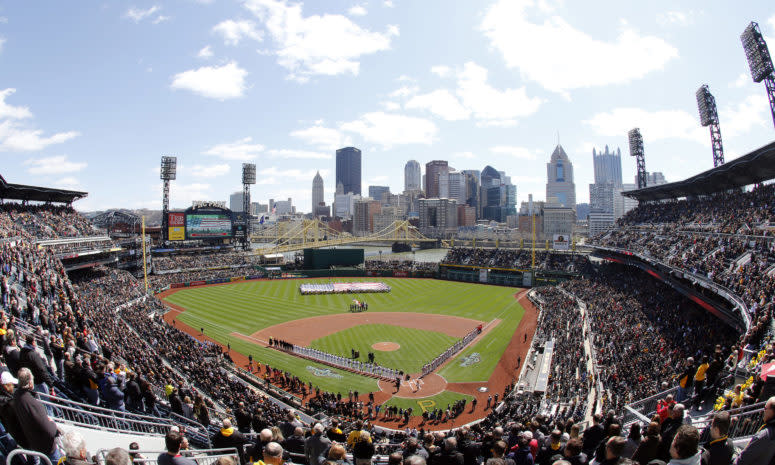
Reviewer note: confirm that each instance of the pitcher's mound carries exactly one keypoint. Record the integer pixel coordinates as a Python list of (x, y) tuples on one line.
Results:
[(386, 346)]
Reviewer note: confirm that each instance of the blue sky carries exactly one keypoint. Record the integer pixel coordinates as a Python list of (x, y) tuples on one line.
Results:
[(92, 94)]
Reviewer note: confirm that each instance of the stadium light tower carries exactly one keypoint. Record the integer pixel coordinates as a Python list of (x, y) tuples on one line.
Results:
[(636, 150), (759, 61), (706, 103), (169, 171), (248, 178)]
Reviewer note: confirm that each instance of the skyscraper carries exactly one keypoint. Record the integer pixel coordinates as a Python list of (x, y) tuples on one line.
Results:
[(412, 176), (560, 189), (375, 192), (348, 169), (432, 171), (608, 166), (317, 191)]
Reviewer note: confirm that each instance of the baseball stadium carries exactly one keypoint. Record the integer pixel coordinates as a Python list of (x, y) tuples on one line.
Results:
[(439, 326)]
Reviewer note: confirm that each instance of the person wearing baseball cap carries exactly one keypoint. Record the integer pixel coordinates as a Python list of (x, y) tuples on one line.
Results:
[(7, 412)]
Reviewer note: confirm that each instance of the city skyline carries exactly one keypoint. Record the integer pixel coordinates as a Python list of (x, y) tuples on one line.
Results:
[(284, 85)]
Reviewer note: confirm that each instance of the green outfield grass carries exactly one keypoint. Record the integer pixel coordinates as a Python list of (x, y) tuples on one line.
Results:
[(414, 343), (247, 307)]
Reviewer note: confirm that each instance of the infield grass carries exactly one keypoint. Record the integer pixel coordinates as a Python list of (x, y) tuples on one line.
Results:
[(247, 307), (440, 400)]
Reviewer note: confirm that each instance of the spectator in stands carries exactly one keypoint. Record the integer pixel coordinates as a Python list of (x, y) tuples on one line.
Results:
[(40, 432), (228, 437), (613, 451), (648, 448), (669, 430), (173, 441), (295, 442), (363, 450), (573, 453), (720, 449), (761, 448), (30, 358), (522, 454), (112, 395), (552, 449), (498, 452), (8, 413), (593, 435), (449, 455), (273, 454), (316, 445), (633, 441), (664, 406), (699, 381), (118, 456), (412, 447), (337, 454), (684, 449), (75, 449), (11, 352)]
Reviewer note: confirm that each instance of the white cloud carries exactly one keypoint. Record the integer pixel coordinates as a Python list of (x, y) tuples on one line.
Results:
[(441, 71), (388, 3), (317, 45), (68, 182), (357, 10), (3, 20), (218, 82), (386, 129), (138, 14), (521, 153), (241, 150), (322, 137), (54, 165), (233, 32), (772, 22), (654, 125), (559, 57), (742, 80), (302, 154), (9, 111), (183, 194), (210, 171), (2, 41), (206, 52), (17, 138), (390, 106), (441, 103), (464, 155), (738, 119), (490, 104), (404, 91)]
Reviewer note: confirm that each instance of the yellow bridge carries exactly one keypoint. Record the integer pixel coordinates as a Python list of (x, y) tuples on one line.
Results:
[(290, 236)]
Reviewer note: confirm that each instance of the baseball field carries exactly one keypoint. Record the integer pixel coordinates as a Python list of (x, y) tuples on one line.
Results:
[(405, 328)]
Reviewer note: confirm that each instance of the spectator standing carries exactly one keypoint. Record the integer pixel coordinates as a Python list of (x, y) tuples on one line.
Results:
[(37, 428), (316, 445), (363, 450), (720, 449), (227, 436), (761, 448), (30, 358), (75, 449), (649, 446), (173, 441), (8, 413), (685, 447)]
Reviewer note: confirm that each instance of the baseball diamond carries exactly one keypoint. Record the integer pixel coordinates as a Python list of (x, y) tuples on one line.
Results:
[(423, 329)]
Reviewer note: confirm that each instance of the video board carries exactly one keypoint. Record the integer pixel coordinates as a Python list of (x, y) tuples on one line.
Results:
[(211, 225)]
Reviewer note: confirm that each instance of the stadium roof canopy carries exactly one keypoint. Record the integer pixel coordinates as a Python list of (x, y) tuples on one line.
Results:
[(37, 194), (755, 167)]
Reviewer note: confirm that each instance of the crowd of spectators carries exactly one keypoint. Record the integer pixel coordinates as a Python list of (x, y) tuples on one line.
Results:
[(643, 332), (160, 281), (515, 259), (400, 265), (725, 238), (203, 260), (46, 221)]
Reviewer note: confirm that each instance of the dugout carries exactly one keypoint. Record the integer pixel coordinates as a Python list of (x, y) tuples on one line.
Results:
[(321, 259)]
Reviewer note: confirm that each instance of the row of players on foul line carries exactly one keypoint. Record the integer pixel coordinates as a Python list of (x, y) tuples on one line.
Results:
[(370, 368)]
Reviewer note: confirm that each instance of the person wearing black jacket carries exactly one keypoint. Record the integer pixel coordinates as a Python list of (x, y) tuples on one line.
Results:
[(39, 430), (132, 395), (11, 352), (29, 358), (229, 437), (669, 429), (593, 435), (7, 412), (450, 455), (720, 449), (363, 450), (243, 418)]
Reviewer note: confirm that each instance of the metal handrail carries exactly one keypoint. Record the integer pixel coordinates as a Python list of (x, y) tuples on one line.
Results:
[(745, 422), (644, 409), (200, 456), (16, 452)]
